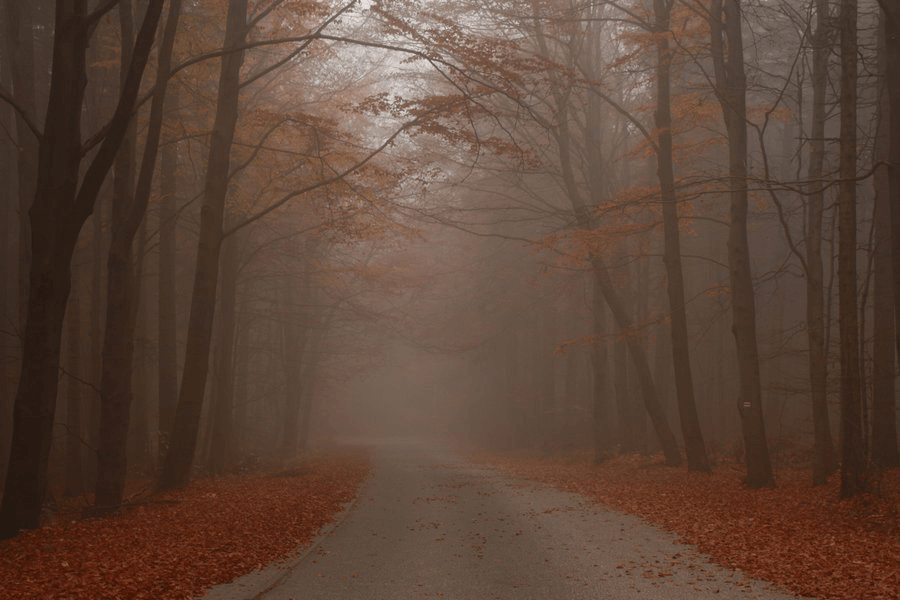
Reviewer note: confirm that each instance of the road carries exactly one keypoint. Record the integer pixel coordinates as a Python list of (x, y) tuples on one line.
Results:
[(428, 524)]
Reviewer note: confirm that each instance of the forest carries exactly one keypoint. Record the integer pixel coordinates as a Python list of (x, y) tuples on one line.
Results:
[(233, 230)]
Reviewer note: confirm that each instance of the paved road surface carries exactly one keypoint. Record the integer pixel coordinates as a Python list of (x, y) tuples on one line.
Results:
[(430, 525)]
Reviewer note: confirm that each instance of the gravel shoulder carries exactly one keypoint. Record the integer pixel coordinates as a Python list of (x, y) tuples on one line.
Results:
[(429, 524)]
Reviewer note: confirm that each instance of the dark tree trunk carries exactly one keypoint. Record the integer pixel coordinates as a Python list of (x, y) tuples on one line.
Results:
[(885, 452), (642, 366), (824, 459), (8, 275), (221, 456), (129, 206), (74, 478), (695, 449), (19, 40), (167, 314), (731, 90), (853, 460), (57, 214), (176, 471)]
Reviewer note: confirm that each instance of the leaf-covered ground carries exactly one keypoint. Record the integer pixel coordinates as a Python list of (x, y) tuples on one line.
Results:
[(175, 545), (804, 539)]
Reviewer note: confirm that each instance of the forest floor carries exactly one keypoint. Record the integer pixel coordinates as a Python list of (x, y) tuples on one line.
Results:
[(801, 538), (172, 546)]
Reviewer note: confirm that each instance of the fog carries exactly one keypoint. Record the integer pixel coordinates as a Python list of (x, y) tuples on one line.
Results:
[(543, 227)]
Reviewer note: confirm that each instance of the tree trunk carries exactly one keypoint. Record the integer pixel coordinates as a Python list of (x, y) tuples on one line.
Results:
[(167, 314), (885, 452), (731, 89), (853, 461), (639, 359), (694, 446), (57, 214), (74, 479), (129, 206), (176, 470), (599, 371), (824, 460), (221, 455), (20, 48)]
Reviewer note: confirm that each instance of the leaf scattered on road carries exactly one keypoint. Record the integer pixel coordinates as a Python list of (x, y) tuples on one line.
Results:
[(798, 537)]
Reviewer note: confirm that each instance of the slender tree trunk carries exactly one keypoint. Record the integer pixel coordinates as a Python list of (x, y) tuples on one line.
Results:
[(129, 206), (74, 479), (824, 460), (599, 371), (890, 16), (731, 89), (885, 452), (176, 470), (853, 461), (167, 314), (639, 359), (221, 455), (694, 446), (19, 41), (8, 275)]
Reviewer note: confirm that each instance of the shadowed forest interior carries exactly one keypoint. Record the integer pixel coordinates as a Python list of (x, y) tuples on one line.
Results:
[(235, 230)]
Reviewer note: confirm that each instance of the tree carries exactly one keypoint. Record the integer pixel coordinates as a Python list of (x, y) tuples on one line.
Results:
[(129, 206), (824, 462), (176, 468), (695, 449), (853, 460), (63, 200), (731, 89)]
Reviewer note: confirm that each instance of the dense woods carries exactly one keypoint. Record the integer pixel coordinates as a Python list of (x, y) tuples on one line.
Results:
[(233, 228)]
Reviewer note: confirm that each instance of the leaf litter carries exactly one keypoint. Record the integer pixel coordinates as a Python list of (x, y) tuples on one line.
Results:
[(801, 538), (174, 545)]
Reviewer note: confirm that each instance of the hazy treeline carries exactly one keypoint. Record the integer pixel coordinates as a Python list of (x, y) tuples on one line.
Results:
[(630, 226)]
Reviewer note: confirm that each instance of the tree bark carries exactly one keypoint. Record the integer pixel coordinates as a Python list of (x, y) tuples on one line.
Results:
[(824, 459), (74, 478), (885, 452), (853, 461), (20, 48), (167, 313), (694, 446), (221, 456), (129, 206), (731, 90), (176, 469)]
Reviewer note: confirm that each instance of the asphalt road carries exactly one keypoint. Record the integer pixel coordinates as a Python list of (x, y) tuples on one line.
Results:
[(430, 525)]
